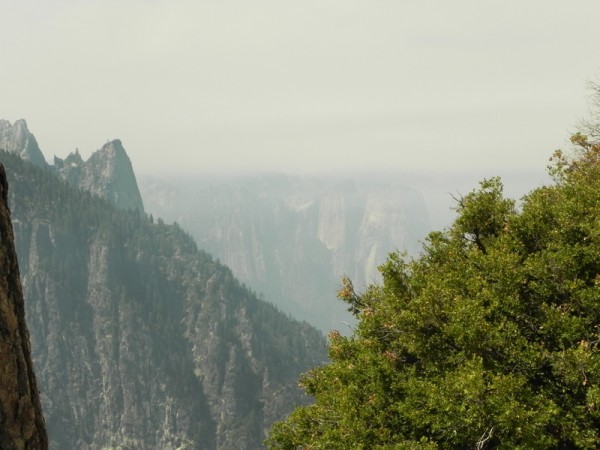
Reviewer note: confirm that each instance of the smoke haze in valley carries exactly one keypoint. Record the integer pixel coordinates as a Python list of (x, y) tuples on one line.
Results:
[(302, 86)]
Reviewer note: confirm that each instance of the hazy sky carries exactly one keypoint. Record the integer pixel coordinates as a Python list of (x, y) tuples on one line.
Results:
[(301, 84)]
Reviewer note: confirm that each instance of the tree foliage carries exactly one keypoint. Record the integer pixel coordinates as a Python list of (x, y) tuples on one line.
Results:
[(489, 339)]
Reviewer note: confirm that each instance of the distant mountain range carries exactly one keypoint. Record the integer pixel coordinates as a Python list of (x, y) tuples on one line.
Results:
[(289, 238), (139, 339)]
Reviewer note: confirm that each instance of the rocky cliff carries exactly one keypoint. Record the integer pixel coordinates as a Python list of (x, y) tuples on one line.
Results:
[(21, 421), (293, 238), (16, 138), (139, 339), (108, 173)]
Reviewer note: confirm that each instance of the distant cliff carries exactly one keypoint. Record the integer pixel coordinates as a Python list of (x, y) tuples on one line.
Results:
[(293, 238), (21, 421)]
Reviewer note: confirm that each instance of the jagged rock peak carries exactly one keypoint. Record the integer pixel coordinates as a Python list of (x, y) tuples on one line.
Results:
[(111, 150), (73, 159), (17, 138), (22, 424), (108, 173), (111, 175)]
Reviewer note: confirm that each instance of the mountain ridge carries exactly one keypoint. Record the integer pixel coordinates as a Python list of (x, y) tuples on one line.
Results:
[(139, 338), (108, 172)]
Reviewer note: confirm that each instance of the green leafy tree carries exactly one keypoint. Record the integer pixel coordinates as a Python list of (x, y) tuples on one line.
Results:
[(489, 339)]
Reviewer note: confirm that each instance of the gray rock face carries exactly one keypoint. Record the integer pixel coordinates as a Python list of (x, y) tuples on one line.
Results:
[(293, 238), (22, 424), (17, 139), (108, 173)]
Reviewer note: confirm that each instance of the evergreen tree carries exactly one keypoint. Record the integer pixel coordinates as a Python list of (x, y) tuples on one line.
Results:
[(489, 339)]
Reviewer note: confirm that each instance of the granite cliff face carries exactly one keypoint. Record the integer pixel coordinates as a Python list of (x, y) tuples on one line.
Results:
[(108, 173), (22, 424), (139, 339), (293, 238), (17, 139)]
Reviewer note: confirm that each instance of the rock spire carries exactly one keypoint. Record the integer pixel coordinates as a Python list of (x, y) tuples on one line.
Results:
[(108, 173), (16, 138)]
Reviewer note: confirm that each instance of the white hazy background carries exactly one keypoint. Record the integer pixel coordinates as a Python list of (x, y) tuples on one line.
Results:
[(302, 85)]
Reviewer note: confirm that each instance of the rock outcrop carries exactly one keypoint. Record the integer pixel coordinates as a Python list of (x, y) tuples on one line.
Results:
[(108, 173), (17, 139), (22, 424)]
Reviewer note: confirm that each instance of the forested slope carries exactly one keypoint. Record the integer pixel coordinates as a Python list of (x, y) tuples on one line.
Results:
[(139, 339)]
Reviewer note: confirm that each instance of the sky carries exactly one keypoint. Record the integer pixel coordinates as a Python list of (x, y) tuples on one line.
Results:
[(301, 85)]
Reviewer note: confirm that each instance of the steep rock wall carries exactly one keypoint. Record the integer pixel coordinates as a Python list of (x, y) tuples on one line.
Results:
[(22, 424)]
